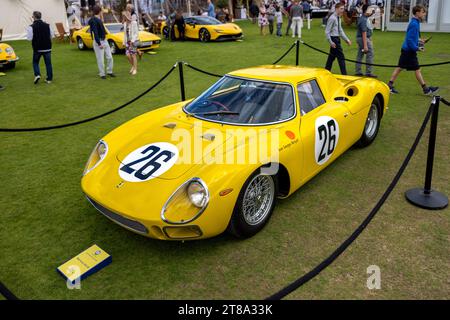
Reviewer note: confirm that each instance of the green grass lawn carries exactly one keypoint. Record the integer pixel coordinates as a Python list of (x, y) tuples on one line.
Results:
[(46, 220)]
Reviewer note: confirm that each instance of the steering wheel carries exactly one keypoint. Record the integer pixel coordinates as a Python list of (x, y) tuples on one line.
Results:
[(220, 104)]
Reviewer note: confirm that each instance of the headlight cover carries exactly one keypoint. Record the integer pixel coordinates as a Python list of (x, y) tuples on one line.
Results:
[(9, 50), (187, 203), (98, 154)]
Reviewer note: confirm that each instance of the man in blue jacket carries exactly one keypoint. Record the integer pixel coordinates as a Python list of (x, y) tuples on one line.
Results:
[(101, 46), (408, 58)]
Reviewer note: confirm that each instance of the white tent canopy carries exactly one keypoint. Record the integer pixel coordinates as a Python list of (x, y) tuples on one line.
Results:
[(15, 16)]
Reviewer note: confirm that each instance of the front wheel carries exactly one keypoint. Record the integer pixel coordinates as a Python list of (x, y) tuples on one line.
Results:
[(204, 35), (254, 205), (372, 124), (113, 47)]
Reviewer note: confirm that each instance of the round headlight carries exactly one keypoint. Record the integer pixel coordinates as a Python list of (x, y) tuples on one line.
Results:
[(197, 194), (9, 50), (97, 155)]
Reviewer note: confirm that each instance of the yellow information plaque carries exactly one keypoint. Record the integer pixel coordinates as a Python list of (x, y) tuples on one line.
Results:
[(86, 263)]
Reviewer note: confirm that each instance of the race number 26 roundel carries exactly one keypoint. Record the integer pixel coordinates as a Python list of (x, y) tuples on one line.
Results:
[(148, 162), (326, 139)]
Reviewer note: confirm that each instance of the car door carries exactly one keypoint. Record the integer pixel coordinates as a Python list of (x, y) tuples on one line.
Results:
[(191, 28), (323, 128)]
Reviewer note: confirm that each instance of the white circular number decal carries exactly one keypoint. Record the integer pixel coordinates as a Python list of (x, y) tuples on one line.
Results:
[(327, 136), (148, 162)]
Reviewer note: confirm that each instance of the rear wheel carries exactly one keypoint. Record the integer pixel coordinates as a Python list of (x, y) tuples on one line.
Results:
[(372, 124), (80, 44), (113, 47), (204, 35), (254, 205)]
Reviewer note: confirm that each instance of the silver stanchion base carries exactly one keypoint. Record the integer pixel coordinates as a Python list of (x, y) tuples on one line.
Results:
[(431, 201)]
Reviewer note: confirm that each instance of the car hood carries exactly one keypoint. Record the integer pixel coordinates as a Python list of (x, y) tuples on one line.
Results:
[(195, 140), (226, 28)]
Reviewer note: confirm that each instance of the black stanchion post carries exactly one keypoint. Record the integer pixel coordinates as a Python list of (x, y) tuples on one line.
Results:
[(297, 51), (427, 198), (180, 68)]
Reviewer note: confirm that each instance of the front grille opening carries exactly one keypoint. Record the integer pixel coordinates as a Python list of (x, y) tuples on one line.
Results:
[(128, 223)]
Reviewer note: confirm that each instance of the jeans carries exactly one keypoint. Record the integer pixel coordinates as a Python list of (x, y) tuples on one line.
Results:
[(271, 26), (48, 64), (100, 54), (336, 53), (288, 26), (360, 55), (279, 25)]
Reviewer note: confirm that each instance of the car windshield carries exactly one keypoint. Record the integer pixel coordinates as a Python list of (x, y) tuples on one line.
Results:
[(114, 28), (206, 21), (244, 101)]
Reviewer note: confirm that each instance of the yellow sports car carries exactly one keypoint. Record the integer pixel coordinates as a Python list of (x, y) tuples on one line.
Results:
[(206, 29), (114, 36), (218, 162), (8, 57)]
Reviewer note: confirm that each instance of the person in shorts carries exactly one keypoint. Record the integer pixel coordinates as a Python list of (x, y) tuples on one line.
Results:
[(408, 57)]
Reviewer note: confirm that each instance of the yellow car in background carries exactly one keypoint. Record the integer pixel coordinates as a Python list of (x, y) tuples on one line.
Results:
[(8, 57), (196, 168), (114, 36), (206, 29)]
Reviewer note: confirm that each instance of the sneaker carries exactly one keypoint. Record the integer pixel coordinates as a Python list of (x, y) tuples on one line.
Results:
[(370, 75), (112, 75), (1, 88), (393, 90), (103, 77), (430, 90), (36, 79), (48, 81)]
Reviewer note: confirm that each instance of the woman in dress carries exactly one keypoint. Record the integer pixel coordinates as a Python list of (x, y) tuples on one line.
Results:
[(263, 22), (130, 39)]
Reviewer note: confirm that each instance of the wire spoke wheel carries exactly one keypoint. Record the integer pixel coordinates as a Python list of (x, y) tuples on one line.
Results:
[(113, 47), (371, 122), (80, 44), (258, 199)]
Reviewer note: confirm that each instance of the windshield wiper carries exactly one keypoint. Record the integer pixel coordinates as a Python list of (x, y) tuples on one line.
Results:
[(213, 113)]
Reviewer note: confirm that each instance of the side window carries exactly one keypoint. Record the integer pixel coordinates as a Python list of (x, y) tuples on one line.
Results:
[(88, 30), (310, 96)]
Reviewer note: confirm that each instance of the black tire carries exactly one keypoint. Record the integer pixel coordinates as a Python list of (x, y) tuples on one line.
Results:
[(10, 66), (80, 44), (239, 225), (372, 124), (204, 35), (113, 46)]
